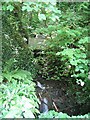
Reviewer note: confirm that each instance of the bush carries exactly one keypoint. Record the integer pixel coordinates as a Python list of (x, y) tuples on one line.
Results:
[(53, 114), (66, 28), (67, 50), (13, 44), (18, 96)]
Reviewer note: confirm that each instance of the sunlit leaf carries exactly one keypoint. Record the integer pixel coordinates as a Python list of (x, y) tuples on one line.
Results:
[(41, 17), (10, 7)]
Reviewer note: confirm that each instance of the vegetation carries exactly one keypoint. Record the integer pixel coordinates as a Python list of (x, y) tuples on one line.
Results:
[(53, 114), (17, 94), (64, 56)]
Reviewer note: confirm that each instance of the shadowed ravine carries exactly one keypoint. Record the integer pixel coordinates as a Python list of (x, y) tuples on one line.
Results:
[(53, 96)]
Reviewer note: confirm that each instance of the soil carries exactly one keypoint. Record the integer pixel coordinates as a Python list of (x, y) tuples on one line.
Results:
[(59, 99)]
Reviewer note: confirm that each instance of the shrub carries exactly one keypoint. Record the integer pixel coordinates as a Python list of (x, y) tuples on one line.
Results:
[(17, 95), (53, 114)]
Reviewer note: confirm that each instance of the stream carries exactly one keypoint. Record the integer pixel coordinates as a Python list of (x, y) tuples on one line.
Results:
[(58, 99)]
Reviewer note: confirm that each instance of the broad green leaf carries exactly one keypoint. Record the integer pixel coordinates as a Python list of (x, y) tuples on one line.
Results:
[(1, 78), (41, 17), (4, 7), (73, 62), (54, 17), (28, 8), (10, 7), (84, 40), (28, 114), (59, 31), (13, 112), (58, 53), (77, 68), (24, 8), (7, 76), (68, 52)]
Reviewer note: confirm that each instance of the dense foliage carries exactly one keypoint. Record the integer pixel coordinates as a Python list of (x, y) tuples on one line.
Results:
[(67, 49), (65, 29), (17, 95), (14, 46), (53, 114)]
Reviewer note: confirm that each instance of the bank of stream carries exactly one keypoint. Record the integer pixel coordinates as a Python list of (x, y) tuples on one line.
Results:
[(58, 98)]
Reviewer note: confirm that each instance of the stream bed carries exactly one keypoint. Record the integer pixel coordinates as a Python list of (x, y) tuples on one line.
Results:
[(58, 98)]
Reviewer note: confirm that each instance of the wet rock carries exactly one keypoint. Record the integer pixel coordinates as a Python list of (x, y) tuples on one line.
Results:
[(44, 106), (40, 85)]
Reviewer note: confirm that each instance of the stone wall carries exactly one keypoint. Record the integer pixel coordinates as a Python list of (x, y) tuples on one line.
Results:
[(37, 43)]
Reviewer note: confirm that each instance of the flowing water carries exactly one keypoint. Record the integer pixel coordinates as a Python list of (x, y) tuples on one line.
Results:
[(55, 94)]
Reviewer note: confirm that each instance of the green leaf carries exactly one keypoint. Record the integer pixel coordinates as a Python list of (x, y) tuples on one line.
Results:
[(72, 62), (24, 8), (59, 31), (10, 7), (82, 71), (28, 114), (28, 8), (4, 7), (68, 52), (13, 112), (58, 53), (41, 17), (84, 40), (1, 78), (77, 68), (8, 76)]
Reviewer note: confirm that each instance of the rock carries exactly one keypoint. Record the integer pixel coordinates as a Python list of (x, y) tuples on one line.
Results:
[(40, 85), (44, 106)]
